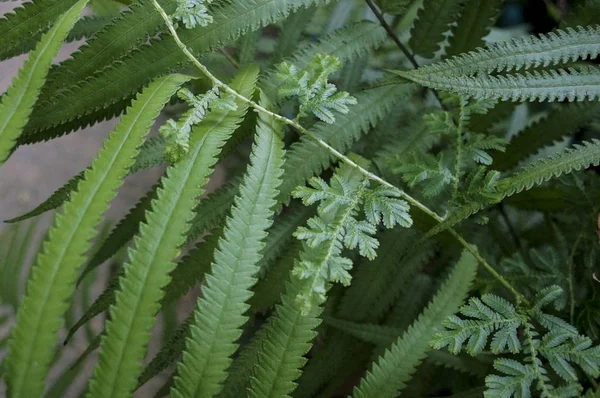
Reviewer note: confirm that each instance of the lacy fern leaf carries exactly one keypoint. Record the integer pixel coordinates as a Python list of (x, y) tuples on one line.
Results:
[(53, 275), (206, 357), (513, 329), (337, 227), (156, 247)]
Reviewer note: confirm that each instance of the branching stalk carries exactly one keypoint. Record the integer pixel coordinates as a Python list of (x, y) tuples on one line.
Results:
[(340, 156)]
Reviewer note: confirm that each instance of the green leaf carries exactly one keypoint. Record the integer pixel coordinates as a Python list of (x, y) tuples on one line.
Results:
[(29, 20), (140, 288), (561, 121), (433, 20), (472, 26), (392, 370), (17, 103), (368, 332), (86, 27), (572, 84), (286, 339), (132, 69), (53, 275), (220, 311), (554, 48)]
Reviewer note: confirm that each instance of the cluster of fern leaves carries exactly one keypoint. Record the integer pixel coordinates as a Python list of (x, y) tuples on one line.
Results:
[(412, 203)]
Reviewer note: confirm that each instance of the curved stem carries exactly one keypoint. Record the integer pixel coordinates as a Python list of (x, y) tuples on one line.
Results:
[(414, 202)]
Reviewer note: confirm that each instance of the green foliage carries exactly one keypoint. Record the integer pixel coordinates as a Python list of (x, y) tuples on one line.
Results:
[(222, 307), (156, 247), (18, 101), (320, 265), (346, 198), (53, 274), (310, 86), (559, 347), (393, 369), (433, 20)]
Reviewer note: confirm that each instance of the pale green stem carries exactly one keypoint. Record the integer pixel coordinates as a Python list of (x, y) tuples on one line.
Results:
[(332, 150)]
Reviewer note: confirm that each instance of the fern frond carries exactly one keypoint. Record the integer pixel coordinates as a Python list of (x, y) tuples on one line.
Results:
[(573, 84), (117, 81), (562, 121), (95, 116), (269, 289), (306, 158), (17, 103), (29, 20), (392, 370), (572, 159), (157, 245), (84, 28), (494, 317), (220, 311), (554, 48), (433, 20), (192, 268), (287, 338), (472, 26), (373, 278), (240, 371), (346, 44), (291, 32), (53, 275), (116, 40), (168, 353)]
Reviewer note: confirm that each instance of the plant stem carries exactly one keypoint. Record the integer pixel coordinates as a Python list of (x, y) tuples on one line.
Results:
[(414, 202)]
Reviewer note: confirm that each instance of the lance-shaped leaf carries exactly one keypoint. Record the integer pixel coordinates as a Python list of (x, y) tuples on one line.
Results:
[(220, 312), (157, 246), (52, 278)]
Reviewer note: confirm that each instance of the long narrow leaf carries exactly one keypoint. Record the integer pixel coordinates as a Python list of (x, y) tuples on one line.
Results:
[(161, 236), (220, 312), (52, 279)]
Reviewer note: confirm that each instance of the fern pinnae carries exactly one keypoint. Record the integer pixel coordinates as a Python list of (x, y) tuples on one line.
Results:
[(286, 339), (17, 103), (122, 78), (392, 370), (116, 40), (572, 84), (220, 312), (577, 158), (28, 20), (53, 275), (158, 244), (558, 47), (472, 26), (433, 20), (561, 121)]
